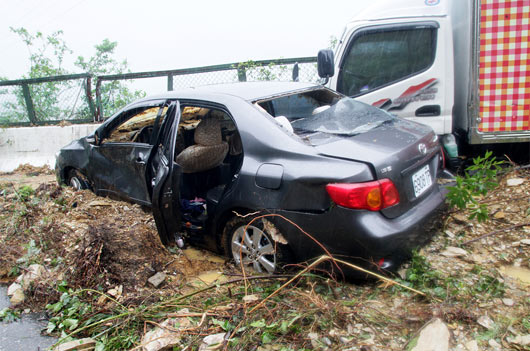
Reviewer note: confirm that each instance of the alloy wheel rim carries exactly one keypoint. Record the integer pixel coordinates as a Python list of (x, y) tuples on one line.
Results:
[(75, 183), (254, 248)]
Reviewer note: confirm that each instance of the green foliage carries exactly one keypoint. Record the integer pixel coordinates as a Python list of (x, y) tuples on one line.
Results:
[(255, 71), (46, 56), (8, 315), (114, 94), (30, 257), (477, 284), (24, 193), (47, 53), (66, 312), (478, 179)]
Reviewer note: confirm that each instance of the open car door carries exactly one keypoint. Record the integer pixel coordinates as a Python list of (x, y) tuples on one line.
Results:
[(164, 177)]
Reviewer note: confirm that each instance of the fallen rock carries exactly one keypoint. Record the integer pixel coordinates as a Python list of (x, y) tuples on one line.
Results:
[(525, 241), (454, 252), (499, 215), (77, 345), (34, 272), (12, 288), (514, 181), (116, 292), (494, 344), (157, 279), (486, 322), (523, 340), (166, 336), (250, 298), (17, 297), (433, 336), (212, 342), (508, 302), (472, 346)]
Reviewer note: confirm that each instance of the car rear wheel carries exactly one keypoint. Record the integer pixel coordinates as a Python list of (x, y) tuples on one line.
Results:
[(253, 245), (76, 180)]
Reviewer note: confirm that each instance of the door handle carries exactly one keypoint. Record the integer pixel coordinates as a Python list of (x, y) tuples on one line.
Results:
[(428, 111)]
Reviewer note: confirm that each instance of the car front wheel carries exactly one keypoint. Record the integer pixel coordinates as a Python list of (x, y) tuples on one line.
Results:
[(253, 245), (76, 180)]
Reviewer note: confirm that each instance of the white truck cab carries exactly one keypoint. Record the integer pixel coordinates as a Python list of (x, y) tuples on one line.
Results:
[(461, 67)]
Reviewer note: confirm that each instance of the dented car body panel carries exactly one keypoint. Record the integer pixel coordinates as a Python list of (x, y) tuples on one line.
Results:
[(266, 165)]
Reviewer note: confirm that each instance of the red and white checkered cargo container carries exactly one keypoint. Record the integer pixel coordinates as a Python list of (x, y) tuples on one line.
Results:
[(504, 75), (459, 66)]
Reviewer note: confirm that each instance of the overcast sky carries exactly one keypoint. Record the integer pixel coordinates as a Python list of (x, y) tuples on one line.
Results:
[(159, 35)]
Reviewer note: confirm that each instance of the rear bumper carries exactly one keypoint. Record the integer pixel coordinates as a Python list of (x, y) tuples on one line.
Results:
[(364, 236)]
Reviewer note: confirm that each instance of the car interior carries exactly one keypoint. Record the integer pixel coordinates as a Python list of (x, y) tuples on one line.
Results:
[(209, 153), (208, 150)]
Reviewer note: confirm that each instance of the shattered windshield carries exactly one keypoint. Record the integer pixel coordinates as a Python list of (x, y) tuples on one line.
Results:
[(324, 111), (345, 117)]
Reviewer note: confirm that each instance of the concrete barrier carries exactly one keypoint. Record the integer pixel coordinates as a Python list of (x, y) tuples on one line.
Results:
[(37, 145)]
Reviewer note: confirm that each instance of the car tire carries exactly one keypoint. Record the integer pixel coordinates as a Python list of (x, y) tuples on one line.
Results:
[(259, 250), (77, 181)]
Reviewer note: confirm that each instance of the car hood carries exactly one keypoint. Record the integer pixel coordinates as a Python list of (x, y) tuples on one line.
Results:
[(396, 150)]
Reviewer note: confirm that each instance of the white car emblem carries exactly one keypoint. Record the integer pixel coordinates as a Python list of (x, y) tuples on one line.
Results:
[(422, 148)]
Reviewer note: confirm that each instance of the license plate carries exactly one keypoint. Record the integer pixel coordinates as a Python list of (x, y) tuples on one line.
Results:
[(421, 180)]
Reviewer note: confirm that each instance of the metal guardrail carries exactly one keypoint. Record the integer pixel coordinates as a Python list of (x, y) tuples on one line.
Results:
[(50, 100)]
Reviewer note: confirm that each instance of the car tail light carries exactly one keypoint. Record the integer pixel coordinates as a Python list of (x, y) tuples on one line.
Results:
[(373, 196)]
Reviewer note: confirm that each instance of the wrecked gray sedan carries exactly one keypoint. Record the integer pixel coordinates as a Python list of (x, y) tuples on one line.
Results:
[(211, 160)]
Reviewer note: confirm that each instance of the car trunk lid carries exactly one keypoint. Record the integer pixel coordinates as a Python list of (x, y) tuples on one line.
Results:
[(405, 152)]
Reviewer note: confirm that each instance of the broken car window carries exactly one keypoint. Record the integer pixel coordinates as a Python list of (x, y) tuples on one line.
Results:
[(326, 112), (137, 128)]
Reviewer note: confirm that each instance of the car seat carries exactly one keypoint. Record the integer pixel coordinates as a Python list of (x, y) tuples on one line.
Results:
[(209, 149)]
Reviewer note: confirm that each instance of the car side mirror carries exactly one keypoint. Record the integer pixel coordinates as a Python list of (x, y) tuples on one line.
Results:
[(90, 139), (325, 63)]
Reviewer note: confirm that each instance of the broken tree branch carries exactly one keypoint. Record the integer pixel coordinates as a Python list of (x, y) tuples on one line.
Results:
[(496, 232)]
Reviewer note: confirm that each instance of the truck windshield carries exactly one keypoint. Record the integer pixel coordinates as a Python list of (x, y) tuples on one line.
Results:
[(324, 111)]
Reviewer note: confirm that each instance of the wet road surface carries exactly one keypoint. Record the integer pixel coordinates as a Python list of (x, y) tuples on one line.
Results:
[(24, 334)]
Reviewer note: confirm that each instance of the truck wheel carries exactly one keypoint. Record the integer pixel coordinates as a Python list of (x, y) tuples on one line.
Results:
[(254, 246), (77, 181)]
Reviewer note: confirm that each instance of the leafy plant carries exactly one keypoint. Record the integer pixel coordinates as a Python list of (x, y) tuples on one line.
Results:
[(32, 251), (24, 193), (67, 312), (478, 179), (8, 315)]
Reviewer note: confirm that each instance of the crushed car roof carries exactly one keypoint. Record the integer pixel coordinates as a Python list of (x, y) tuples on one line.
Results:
[(249, 91)]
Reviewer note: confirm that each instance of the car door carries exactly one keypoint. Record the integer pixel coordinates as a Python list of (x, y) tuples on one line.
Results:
[(118, 163), (164, 177)]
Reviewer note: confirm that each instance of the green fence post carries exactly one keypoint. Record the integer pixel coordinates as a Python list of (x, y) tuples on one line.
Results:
[(170, 82), (241, 73), (90, 99), (99, 106), (29, 104)]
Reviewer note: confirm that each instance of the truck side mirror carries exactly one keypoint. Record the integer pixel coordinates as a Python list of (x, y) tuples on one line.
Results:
[(325, 63)]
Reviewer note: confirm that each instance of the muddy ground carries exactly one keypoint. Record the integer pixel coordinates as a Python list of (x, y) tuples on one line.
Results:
[(93, 247)]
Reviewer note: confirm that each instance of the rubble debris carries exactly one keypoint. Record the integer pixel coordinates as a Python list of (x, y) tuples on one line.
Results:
[(32, 273), (472, 345), (486, 322), (12, 288), (157, 279), (433, 336), (212, 342), (18, 297), (166, 335), (454, 252), (85, 344), (514, 181)]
